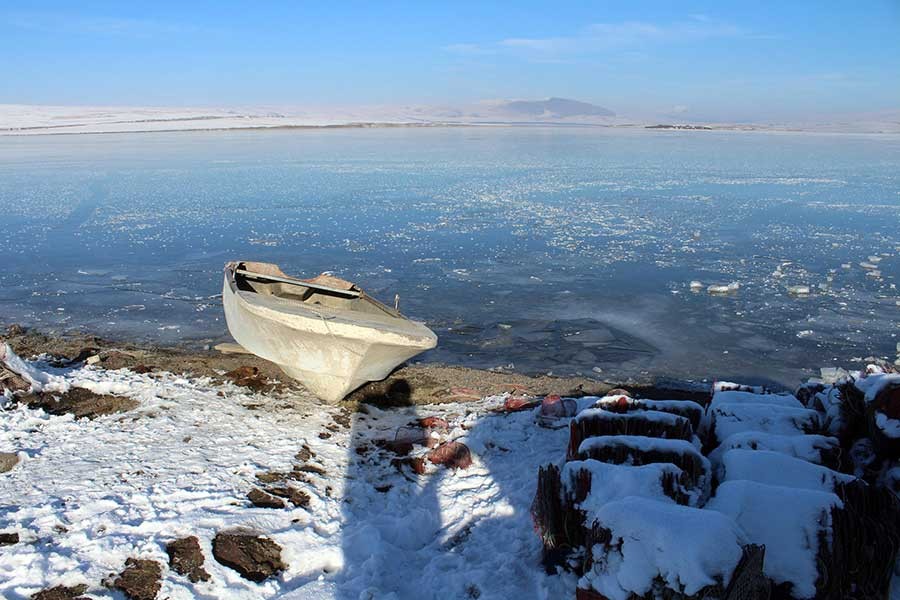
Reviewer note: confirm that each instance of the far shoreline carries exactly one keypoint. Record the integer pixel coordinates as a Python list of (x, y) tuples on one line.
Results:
[(52, 130)]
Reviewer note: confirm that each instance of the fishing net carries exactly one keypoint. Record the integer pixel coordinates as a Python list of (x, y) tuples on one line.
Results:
[(559, 520), (858, 560)]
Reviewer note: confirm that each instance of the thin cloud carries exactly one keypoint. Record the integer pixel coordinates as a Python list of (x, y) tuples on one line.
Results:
[(601, 37), (109, 26)]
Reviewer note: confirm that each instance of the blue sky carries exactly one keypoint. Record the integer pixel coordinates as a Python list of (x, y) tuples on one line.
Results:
[(707, 60)]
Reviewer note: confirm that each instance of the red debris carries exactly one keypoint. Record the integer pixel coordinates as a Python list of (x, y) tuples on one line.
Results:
[(583, 594), (555, 407), (454, 455), (418, 465), (464, 391), (434, 423), (517, 403)]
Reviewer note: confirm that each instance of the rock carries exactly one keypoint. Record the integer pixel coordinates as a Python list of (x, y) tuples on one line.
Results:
[(80, 402), (84, 355), (304, 454), (292, 495), (454, 455), (253, 557), (186, 558), (15, 330), (264, 500), (8, 539), (12, 381), (7, 461), (62, 592), (140, 580)]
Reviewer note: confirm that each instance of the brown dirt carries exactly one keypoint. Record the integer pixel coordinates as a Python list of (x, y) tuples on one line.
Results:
[(140, 580), (62, 592), (253, 557), (80, 402), (408, 385), (186, 558)]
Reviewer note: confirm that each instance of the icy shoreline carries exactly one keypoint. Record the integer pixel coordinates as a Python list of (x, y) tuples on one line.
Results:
[(352, 499)]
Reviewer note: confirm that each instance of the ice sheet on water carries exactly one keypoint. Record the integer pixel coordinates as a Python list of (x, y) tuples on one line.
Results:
[(473, 228)]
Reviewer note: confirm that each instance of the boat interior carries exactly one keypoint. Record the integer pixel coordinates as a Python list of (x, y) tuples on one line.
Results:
[(323, 291)]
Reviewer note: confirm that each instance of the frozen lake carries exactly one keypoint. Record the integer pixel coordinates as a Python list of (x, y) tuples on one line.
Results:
[(564, 250)]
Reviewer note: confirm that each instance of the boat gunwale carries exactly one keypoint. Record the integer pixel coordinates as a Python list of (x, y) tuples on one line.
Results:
[(400, 325)]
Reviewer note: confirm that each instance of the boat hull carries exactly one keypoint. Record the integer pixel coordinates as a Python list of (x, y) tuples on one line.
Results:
[(330, 356)]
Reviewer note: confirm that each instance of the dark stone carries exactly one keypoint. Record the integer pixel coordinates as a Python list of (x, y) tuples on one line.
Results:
[(80, 402), (264, 500), (304, 454), (400, 448), (8, 539), (253, 557), (186, 558), (292, 495), (62, 592), (140, 580), (83, 355)]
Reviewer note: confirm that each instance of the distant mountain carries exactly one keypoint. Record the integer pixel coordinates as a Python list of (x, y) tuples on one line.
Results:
[(554, 108)]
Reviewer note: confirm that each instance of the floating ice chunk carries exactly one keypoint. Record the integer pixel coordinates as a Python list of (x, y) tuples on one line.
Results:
[(805, 333), (874, 273), (830, 375), (874, 259), (867, 265), (724, 289), (846, 265), (798, 290), (696, 286)]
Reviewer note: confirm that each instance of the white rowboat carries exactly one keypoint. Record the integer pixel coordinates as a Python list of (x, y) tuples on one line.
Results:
[(325, 332)]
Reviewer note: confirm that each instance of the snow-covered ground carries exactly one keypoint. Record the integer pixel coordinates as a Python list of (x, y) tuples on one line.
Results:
[(21, 119), (87, 494)]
